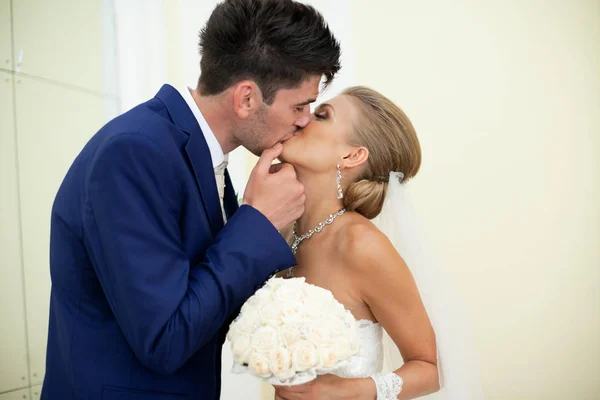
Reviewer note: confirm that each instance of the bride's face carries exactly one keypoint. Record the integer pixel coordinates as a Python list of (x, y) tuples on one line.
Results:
[(323, 143)]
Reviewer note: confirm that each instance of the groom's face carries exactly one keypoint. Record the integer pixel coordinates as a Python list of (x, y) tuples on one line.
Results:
[(278, 122)]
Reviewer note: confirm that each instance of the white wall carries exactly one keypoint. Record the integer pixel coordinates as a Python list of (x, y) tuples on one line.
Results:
[(505, 97), (52, 100)]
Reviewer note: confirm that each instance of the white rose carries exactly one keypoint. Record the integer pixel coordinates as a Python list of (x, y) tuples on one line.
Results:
[(304, 355), (291, 312), (304, 329), (290, 334), (313, 310), (250, 306), (341, 347), (327, 357), (259, 364), (265, 339), (241, 349), (318, 335), (334, 326), (246, 325), (262, 294), (270, 313), (299, 282), (318, 293), (319, 303), (292, 292), (280, 362), (232, 332), (274, 282)]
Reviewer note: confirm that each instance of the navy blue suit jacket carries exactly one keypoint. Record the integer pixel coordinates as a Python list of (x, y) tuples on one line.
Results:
[(145, 277)]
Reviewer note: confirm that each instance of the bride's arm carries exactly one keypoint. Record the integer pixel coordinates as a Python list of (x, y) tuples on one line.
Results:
[(387, 287)]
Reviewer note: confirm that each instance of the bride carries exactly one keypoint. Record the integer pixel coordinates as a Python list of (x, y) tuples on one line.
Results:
[(358, 239)]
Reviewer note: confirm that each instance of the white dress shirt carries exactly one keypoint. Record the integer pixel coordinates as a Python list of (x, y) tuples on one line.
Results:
[(219, 159)]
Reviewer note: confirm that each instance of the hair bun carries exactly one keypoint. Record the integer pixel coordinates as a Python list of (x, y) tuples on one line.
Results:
[(366, 197)]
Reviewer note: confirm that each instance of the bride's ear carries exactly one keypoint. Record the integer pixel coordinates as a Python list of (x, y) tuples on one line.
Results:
[(356, 157)]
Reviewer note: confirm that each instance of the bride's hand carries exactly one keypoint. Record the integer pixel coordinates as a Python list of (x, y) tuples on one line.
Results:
[(329, 387)]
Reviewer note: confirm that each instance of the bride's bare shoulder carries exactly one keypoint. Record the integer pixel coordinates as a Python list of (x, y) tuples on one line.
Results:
[(373, 264), (361, 244)]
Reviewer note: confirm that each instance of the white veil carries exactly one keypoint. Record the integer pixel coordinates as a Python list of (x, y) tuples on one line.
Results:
[(457, 364)]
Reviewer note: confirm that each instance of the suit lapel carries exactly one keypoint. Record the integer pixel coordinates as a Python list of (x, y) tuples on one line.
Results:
[(199, 157), (197, 152)]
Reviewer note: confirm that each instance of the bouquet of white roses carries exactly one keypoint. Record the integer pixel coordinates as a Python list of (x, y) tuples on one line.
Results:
[(290, 331)]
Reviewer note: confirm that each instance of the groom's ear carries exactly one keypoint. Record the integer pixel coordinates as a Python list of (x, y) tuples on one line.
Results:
[(356, 157), (247, 98)]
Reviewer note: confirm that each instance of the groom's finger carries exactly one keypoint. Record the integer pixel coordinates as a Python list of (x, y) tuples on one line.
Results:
[(266, 159)]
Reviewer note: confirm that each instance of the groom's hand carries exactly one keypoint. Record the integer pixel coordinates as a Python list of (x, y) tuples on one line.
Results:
[(274, 190)]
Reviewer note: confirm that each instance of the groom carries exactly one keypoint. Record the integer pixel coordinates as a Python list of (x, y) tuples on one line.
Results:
[(146, 275)]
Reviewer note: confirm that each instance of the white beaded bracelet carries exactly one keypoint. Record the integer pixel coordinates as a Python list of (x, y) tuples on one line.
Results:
[(389, 385)]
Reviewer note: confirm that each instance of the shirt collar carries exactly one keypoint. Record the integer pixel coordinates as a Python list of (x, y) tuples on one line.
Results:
[(216, 152)]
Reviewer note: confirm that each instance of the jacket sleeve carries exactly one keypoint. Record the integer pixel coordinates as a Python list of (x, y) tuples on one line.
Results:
[(166, 308)]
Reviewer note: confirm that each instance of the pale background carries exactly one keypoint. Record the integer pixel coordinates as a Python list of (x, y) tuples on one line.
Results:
[(505, 96)]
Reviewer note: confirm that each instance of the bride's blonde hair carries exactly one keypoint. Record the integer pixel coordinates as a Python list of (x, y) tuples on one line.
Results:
[(384, 129)]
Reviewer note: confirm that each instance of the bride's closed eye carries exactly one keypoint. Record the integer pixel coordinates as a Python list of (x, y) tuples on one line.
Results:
[(321, 115)]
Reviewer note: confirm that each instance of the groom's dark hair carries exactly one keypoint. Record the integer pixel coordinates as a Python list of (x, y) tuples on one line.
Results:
[(276, 43)]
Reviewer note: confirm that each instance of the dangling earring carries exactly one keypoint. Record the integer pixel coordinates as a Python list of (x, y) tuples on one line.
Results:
[(340, 195)]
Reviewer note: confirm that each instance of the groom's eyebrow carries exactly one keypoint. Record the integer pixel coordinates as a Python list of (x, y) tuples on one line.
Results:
[(305, 103)]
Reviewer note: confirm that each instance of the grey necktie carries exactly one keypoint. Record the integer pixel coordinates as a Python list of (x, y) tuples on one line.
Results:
[(220, 178)]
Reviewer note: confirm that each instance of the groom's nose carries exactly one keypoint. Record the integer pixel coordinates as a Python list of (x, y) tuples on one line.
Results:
[(302, 121)]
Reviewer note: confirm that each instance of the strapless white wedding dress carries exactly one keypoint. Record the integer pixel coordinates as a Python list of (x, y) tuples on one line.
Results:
[(369, 360)]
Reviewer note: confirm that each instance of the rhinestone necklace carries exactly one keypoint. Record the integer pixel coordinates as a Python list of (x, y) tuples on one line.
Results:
[(307, 235)]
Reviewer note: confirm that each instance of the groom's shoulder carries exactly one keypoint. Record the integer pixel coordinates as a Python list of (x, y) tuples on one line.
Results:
[(151, 115), (149, 120)]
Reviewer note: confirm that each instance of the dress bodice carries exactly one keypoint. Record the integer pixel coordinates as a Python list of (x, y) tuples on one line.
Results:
[(370, 358)]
